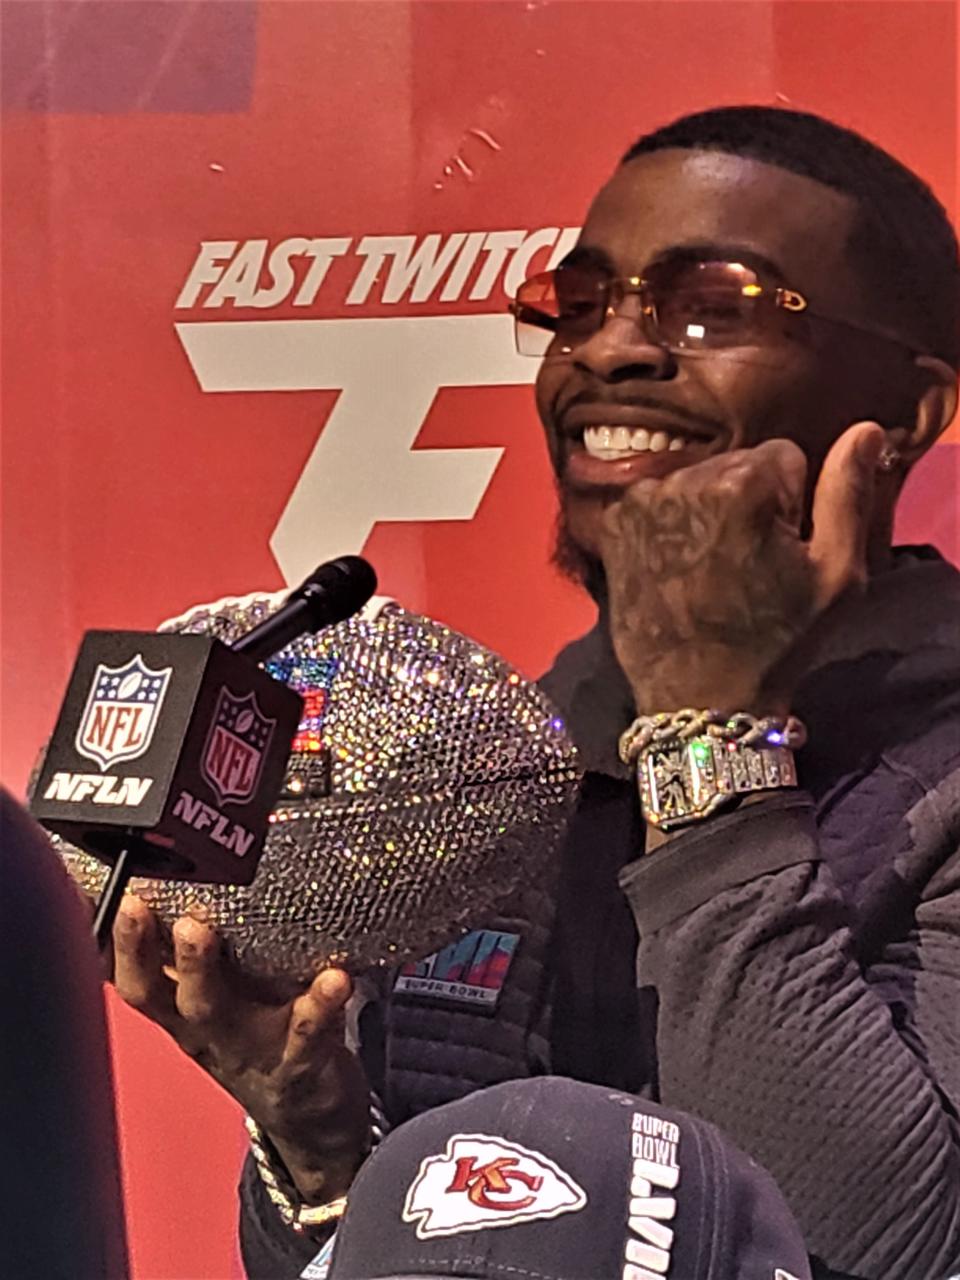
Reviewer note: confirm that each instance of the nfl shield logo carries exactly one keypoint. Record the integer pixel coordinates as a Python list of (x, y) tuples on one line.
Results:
[(122, 710), (236, 744)]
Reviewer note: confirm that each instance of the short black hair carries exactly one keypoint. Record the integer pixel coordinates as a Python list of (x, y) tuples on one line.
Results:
[(906, 241)]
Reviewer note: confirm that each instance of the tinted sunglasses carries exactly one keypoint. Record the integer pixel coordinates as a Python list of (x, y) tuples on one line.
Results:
[(683, 305)]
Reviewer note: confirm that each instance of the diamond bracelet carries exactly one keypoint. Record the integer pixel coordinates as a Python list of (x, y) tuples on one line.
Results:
[(689, 723), (277, 1183), (691, 764)]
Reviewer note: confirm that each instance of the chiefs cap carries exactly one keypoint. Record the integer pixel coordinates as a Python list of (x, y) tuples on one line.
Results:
[(550, 1179)]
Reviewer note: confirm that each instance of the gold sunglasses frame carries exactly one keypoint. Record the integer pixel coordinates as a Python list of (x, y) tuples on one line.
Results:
[(787, 299)]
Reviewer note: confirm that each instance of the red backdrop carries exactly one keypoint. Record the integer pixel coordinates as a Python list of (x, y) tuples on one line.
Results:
[(255, 258)]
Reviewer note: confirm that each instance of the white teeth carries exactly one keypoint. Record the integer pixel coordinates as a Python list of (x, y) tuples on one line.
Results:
[(611, 443)]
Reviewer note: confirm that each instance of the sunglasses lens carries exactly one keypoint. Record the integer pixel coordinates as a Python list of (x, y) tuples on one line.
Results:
[(560, 307), (691, 305), (535, 314), (702, 305)]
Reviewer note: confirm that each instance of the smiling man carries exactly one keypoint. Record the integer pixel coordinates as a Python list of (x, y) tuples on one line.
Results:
[(754, 340)]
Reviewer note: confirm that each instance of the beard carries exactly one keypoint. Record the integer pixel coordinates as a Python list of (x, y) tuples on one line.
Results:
[(572, 562)]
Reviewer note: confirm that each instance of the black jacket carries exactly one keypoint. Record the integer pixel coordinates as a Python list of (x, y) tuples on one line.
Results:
[(790, 971)]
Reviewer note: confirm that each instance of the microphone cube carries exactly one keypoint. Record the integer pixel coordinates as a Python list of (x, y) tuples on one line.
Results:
[(173, 746)]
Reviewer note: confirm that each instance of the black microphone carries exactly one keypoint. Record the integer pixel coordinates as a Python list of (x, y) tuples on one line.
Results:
[(170, 749), (337, 590)]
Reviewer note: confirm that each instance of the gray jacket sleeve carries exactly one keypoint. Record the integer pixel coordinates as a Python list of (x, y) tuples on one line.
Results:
[(771, 1026)]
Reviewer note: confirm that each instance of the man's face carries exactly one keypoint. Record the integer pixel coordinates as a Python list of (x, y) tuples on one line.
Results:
[(808, 382)]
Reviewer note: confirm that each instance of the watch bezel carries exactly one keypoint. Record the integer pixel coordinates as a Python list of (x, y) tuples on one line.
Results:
[(683, 782)]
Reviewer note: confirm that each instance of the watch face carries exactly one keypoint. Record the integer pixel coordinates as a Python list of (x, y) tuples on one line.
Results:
[(683, 781), (664, 784)]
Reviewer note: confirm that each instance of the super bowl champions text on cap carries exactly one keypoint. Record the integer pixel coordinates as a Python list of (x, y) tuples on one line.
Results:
[(656, 1171)]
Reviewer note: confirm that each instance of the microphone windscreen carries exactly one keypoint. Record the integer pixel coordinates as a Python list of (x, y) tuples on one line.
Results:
[(338, 589), (428, 782)]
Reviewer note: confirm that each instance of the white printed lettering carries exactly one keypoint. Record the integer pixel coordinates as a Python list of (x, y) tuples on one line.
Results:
[(241, 279), (86, 786), (650, 1243), (656, 1127), (650, 1229), (647, 1205), (423, 270), (648, 1255), (323, 253), (662, 1174), (100, 788), (219, 833), (240, 841), (135, 790), (375, 249), (194, 813), (61, 786), (205, 269), (281, 272), (496, 246), (364, 467), (418, 267), (463, 266), (204, 818), (187, 807), (520, 264)]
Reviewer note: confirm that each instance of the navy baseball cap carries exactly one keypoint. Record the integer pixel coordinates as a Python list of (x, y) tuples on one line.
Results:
[(556, 1180)]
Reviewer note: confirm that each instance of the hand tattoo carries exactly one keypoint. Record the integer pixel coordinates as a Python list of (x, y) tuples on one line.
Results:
[(702, 587)]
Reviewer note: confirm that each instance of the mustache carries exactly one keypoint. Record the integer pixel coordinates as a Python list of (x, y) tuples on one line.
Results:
[(639, 399)]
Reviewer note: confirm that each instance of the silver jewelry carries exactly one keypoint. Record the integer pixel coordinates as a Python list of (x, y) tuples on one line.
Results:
[(683, 782), (689, 723), (691, 763), (279, 1186), (889, 457)]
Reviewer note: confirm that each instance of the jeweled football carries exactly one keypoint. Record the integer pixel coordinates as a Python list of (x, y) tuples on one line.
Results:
[(428, 782)]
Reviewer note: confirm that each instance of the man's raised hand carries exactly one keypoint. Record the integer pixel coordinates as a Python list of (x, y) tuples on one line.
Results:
[(286, 1064), (715, 595)]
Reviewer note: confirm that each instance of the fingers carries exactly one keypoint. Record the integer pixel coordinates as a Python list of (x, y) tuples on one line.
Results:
[(765, 483), (191, 993), (774, 471), (786, 464), (138, 963), (201, 986), (729, 498), (843, 509), (316, 1013)]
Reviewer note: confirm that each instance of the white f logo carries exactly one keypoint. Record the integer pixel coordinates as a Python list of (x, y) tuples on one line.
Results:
[(364, 468)]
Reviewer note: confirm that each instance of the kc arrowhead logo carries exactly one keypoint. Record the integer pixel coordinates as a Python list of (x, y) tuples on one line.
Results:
[(482, 1181)]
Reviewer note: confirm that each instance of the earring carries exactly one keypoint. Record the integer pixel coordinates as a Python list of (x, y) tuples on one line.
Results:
[(888, 458)]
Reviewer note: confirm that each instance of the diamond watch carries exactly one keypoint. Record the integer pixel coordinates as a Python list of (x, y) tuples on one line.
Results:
[(684, 781)]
